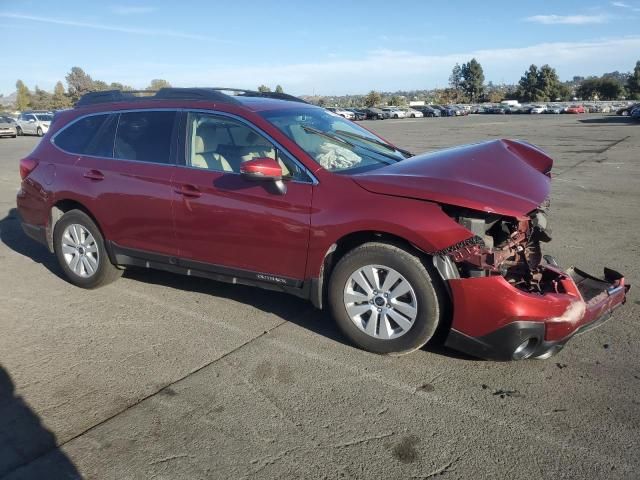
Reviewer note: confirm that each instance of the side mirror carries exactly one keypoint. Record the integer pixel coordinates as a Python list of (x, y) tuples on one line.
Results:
[(31, 120), (264, 168)]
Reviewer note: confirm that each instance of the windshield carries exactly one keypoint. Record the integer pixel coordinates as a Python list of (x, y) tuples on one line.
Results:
[(44, 117), (336, 144)]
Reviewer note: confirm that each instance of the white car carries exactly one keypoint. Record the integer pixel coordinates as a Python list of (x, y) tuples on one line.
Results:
[(343, 113), (411, 113), (537, 109), (34, 123), (393, 112)]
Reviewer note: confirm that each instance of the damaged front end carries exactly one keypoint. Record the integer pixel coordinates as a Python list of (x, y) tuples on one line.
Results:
[(510, 301)]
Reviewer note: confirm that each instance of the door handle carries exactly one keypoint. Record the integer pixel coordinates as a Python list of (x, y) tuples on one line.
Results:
[(94, 175), (188, 191)]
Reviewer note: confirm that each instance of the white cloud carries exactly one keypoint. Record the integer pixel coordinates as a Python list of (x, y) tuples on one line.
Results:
[(567, 19), (625, 5), (131, 9), (112, 28), (390, 70)]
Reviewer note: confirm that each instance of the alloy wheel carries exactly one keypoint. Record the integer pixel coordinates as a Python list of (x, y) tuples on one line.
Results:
[(380, 301), (80, 250)]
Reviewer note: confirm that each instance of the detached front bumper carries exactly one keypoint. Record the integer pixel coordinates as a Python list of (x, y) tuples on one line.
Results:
[(494, 320)]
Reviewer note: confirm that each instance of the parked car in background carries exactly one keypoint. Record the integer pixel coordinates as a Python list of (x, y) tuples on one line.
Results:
[(349, 115), (624, 111), (8, 127), (34, 123), (553, 109), (413, 113), (445, 111), (428, 111), (575, 109), (393, 112), (400, 248), (635, 112), (359, 114), (373, 113), (536, 109)]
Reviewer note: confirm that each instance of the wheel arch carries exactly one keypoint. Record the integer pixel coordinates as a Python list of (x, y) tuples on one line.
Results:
[(63, 206), (319, 286), (345, 244)]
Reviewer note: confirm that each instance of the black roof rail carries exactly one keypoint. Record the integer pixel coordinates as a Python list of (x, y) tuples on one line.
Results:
[(210, 94), (241, 92), (105, 96)]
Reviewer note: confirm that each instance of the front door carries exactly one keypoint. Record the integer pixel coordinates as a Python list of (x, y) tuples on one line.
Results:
[(227, 223)]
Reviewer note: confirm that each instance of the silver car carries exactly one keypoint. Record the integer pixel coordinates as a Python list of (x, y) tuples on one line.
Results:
[(34, 123), (8, 127)]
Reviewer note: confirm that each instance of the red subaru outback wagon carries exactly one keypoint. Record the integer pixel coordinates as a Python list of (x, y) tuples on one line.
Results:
[(267, 190)]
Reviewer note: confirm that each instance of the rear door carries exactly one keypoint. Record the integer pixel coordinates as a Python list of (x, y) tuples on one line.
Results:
[(125, 172), (227, 223)]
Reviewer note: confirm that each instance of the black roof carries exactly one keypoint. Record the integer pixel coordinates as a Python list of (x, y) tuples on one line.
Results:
[(216, 94)]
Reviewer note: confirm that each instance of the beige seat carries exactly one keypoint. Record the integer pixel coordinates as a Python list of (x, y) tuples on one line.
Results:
[(260, 147), (203, 150)]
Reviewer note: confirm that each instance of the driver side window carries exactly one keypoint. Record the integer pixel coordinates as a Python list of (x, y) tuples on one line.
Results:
[(223, 144)]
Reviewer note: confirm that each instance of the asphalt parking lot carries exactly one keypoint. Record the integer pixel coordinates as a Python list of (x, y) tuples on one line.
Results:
[(160, 376)]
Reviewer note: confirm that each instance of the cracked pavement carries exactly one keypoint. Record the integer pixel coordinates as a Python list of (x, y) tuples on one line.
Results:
[(162, 376)]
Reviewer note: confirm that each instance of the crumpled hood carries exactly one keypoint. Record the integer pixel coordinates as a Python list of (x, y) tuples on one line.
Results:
[(508, 177)]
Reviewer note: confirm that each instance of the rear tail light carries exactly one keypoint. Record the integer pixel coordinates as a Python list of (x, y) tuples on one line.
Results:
[(27, 165)]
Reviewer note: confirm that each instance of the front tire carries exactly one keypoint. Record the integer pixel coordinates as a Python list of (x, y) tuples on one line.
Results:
[(39, 132), (385, 299), (18, 131), (81, 252)]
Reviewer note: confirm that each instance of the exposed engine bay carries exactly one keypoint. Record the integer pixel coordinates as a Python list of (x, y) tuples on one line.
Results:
[(504, 246)]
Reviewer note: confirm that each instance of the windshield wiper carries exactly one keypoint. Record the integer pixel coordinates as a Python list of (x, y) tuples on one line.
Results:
[(374, 141), (327, 135)]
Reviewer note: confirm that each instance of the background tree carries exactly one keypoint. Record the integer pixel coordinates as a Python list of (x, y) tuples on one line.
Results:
[(455, 80), (78, 83), (600, 89), (633, 84), (264, 89), (372, 99), (59, 100), (396, 100), (528, 85), (472, 79), (157, 84), (23, 98), (119, 86), (279, 89), (99, 86), (541, 85), (549, 86), (41, 99)]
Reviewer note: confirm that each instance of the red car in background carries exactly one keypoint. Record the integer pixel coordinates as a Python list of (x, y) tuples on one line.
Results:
[(266, 190), (575, 109)]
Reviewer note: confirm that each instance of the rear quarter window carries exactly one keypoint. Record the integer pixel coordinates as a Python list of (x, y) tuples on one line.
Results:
[(92, 135)]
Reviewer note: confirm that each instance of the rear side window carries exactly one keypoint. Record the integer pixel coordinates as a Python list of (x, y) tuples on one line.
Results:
[(145, 136), (92, 135)]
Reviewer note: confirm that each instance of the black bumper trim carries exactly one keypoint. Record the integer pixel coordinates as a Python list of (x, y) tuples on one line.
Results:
[(502, 344), (36, 232)]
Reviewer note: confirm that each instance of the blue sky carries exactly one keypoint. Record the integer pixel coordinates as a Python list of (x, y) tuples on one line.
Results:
[(323, 47)]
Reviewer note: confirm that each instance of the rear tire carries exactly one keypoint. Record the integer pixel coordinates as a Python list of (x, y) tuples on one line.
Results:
[(402, 322), (81, 252)]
